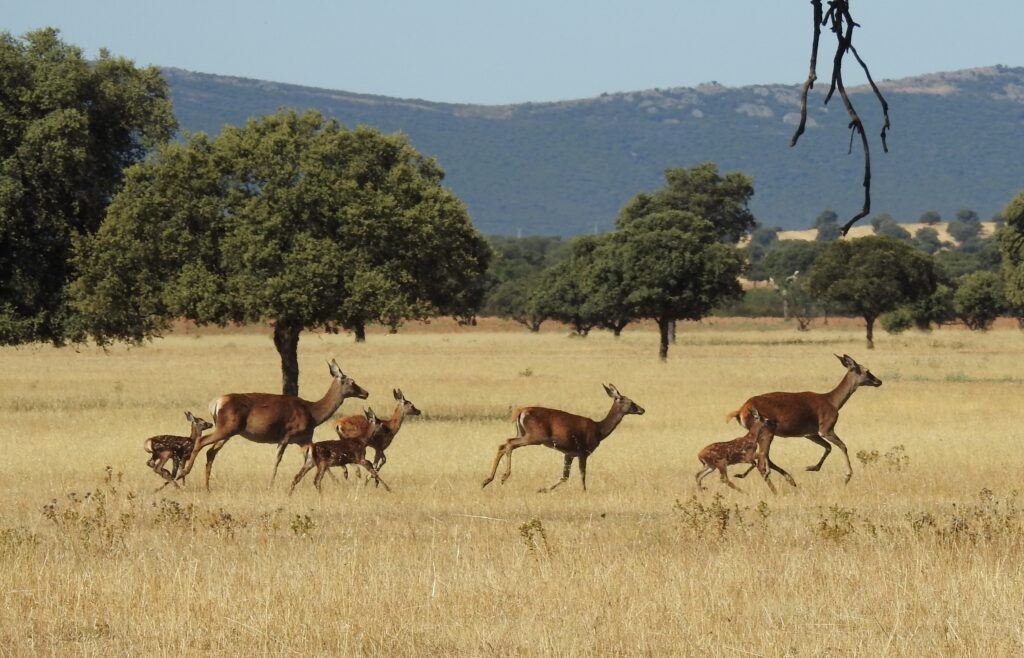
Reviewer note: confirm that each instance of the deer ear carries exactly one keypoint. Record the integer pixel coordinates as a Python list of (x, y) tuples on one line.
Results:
[(398, 394), (189, 416), (754, 414), (609, 389)]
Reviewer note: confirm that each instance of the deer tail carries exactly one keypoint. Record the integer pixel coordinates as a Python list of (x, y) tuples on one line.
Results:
[(736, 415), (148, 445), (214, 408)]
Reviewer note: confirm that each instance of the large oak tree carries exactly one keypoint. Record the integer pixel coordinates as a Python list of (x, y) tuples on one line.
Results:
[(293, 220), (68, 129)]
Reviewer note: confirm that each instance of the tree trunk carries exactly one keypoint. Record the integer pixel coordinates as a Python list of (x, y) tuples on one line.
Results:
[(286, 340), (665, 329), (672, 331), (616, 331), (360, 332), (871, 332)]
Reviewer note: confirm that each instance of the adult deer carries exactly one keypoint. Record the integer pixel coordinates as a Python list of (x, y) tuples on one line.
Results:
[(719, 456), (572, 435), (381, 438), (811, 415), (340, 452), (176, 448), (273, 418)]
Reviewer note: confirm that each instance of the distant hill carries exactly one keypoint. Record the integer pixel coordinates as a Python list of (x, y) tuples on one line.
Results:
[(565, 168)]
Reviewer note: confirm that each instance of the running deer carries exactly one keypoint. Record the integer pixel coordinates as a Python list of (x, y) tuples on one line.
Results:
[(743, 450), (810, 415), (340, 452), (272, 418), (176, 448), (572, 435), (379, 440)]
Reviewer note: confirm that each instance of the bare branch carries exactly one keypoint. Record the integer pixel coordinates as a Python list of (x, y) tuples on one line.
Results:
[(812, 75), (842, 24)]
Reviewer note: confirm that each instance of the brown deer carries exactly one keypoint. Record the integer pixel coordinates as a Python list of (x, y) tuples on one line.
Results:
[(811, 415), (381, 438), (340, 452), (176, 448), (738, 451), (272, 418), (572, 435)]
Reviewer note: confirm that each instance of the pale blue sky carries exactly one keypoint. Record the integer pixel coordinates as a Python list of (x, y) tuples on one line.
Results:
[(477, 51)]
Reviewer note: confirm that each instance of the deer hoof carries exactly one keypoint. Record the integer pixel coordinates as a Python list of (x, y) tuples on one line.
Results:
[(816, 467)]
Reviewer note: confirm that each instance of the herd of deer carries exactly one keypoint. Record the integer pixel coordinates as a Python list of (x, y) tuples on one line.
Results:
[(286, 420)]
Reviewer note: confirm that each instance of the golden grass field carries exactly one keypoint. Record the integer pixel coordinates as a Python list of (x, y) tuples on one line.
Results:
[(920, 555)]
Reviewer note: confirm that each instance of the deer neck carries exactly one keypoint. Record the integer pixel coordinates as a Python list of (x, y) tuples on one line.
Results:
[(395, 422), (607, 425), (842, 392), (325, 407)]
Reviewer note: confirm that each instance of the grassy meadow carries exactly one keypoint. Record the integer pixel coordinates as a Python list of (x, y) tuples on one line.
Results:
[(919, 555)]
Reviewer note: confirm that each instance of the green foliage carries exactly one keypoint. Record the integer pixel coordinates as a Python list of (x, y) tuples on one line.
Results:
[(967, 216), (290, 219), (515, 277), (755, 303), (962, 231), (885, 224), (789, 257), (68, 129), (1011, 244), (871, 276), (930, 217), (979, 299), (897, 321), (827, 223), (927, 240), (723, 201)]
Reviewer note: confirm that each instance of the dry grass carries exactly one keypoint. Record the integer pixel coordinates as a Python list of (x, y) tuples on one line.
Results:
[(918, 555)]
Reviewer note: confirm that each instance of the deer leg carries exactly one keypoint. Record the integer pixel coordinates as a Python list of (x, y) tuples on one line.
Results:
[(565, 474), (703, 473), (725, 478), (773, 466), (306, 467), (379, 459), (320, 470), (277, 462), (816, 438), (208, 440), (583, 471), (831, 436), (211, 454), (494, 466), (373, 473), (746, 472)]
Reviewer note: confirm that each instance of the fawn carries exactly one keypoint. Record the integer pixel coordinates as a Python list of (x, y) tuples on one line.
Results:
[(176, 448), (742, 450), (340, 452)]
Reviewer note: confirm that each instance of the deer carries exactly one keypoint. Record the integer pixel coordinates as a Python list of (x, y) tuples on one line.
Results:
[(381, 438), (572, 435), (742, 450), (341, 452), (273, 418), (807, 414), (176, 448)]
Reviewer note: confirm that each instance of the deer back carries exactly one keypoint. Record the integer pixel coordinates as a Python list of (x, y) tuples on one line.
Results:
[(262, 417), (559, 429), (355, 427), (797, 414)]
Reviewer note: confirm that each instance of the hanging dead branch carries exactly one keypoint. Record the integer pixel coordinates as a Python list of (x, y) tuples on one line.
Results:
[(842, 24)]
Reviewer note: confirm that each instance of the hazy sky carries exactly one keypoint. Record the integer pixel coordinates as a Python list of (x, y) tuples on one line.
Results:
[(478, 51)]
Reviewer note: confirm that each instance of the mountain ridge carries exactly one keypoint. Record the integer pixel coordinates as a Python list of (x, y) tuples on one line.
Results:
[(566, 167)]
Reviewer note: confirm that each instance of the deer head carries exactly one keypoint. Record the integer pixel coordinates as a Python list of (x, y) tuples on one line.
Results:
[(863, 375), (624, 404), (408, 408), (198, 422), (349, 387)]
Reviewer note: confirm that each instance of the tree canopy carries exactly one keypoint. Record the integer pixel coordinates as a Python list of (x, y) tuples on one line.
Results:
[(68, 129), (871, 276), (293, 220)]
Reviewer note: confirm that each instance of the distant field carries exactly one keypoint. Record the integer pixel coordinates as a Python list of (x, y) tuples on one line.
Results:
[(864, 228), (919, 555)]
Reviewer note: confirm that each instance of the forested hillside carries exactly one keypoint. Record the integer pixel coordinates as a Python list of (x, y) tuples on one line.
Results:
[(567, 167)]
